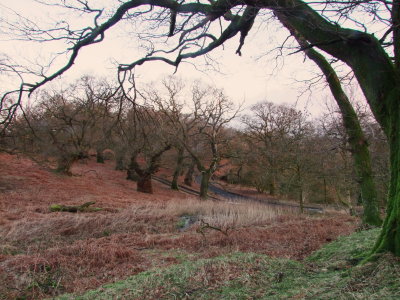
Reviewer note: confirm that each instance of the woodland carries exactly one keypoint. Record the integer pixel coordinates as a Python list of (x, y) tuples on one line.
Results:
[(111, 188)]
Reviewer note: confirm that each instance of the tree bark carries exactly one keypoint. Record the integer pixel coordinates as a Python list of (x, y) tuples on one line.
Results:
[(356, 138), (132, 175), (99, 156), (301, 199), (144, 184), (205, 180), (272, 186), (120, 159), (301, 192), (178, 169), (189, 174), (64, 164), (119, 163), (325, 192), (379, 80), (389, 238)]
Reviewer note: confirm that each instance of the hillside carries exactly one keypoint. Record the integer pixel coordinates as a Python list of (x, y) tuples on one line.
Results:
[(329, 273), (44, 253)]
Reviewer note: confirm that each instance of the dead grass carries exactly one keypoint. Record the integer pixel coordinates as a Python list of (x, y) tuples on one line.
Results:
[(228, 214), (43, 254)]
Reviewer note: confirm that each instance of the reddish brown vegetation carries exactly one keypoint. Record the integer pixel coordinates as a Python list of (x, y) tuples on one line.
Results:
[(44, 253)]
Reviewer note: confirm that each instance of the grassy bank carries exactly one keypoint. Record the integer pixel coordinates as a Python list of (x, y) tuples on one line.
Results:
[(330, 273)]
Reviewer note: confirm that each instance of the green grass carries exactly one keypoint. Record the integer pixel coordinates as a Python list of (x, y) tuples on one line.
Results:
[(330, 273)]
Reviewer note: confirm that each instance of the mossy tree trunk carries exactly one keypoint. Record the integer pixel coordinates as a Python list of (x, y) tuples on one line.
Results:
[(206, 173), (389, 239), (100, 156), (189, 174), (205, 181), (357, 141), (300, 186), (379, 79), (178, 168), (272, 185), (272, 167), (131, 174), (120, 159), (119, 163), (387, 112)]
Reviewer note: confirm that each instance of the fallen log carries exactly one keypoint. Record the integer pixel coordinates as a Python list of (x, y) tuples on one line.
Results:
[(74, 208)]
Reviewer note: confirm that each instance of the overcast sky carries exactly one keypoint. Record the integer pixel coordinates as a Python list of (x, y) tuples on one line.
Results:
[(246, 78)]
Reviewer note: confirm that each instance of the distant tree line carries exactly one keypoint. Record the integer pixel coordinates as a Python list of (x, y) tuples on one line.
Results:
[(188, 128)]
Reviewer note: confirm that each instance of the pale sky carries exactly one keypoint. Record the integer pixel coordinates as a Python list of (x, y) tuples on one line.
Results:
[(244, 78)]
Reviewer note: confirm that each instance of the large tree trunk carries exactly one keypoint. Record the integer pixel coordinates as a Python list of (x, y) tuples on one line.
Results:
[(64, 164), (131, 173), (379, 80), (205, 180), (144, 184), (272, 186), (120, 159), (357, 140), (119, 163), (189, 174), (301, 191), (100, 156), (301, 199), (389, 239), (178, 169)]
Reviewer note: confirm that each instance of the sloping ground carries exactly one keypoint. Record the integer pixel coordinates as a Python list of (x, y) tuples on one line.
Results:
[(45, 253), (330, 273), (28, 190)]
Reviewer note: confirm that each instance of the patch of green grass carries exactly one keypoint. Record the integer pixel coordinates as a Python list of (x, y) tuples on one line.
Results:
[(327, 274), (234, 276), (346, 249)]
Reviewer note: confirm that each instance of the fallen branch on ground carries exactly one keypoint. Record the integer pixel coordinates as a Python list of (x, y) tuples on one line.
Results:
[(204, 225), (74, 208)]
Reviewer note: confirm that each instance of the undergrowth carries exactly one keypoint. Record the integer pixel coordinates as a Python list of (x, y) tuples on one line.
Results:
[(330, 273)]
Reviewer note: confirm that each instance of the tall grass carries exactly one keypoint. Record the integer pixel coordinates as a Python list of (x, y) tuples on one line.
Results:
[(146, 217), (227, 214)]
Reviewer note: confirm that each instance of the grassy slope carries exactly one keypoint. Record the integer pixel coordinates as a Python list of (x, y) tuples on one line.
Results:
[(327, 274)]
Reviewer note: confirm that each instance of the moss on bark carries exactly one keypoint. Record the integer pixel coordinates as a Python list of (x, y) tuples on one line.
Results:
[(357, 141)]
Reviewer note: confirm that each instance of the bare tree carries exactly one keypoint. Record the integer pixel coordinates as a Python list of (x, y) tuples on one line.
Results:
[(201, 131), (268, 129), (169, 102), (66, 124), (143, 134)]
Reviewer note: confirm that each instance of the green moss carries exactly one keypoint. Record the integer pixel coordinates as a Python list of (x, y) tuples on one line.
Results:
[(91, 209), (55, 207)]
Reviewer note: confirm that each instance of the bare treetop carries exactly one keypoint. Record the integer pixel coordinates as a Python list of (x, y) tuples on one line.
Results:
[(174, 32)]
